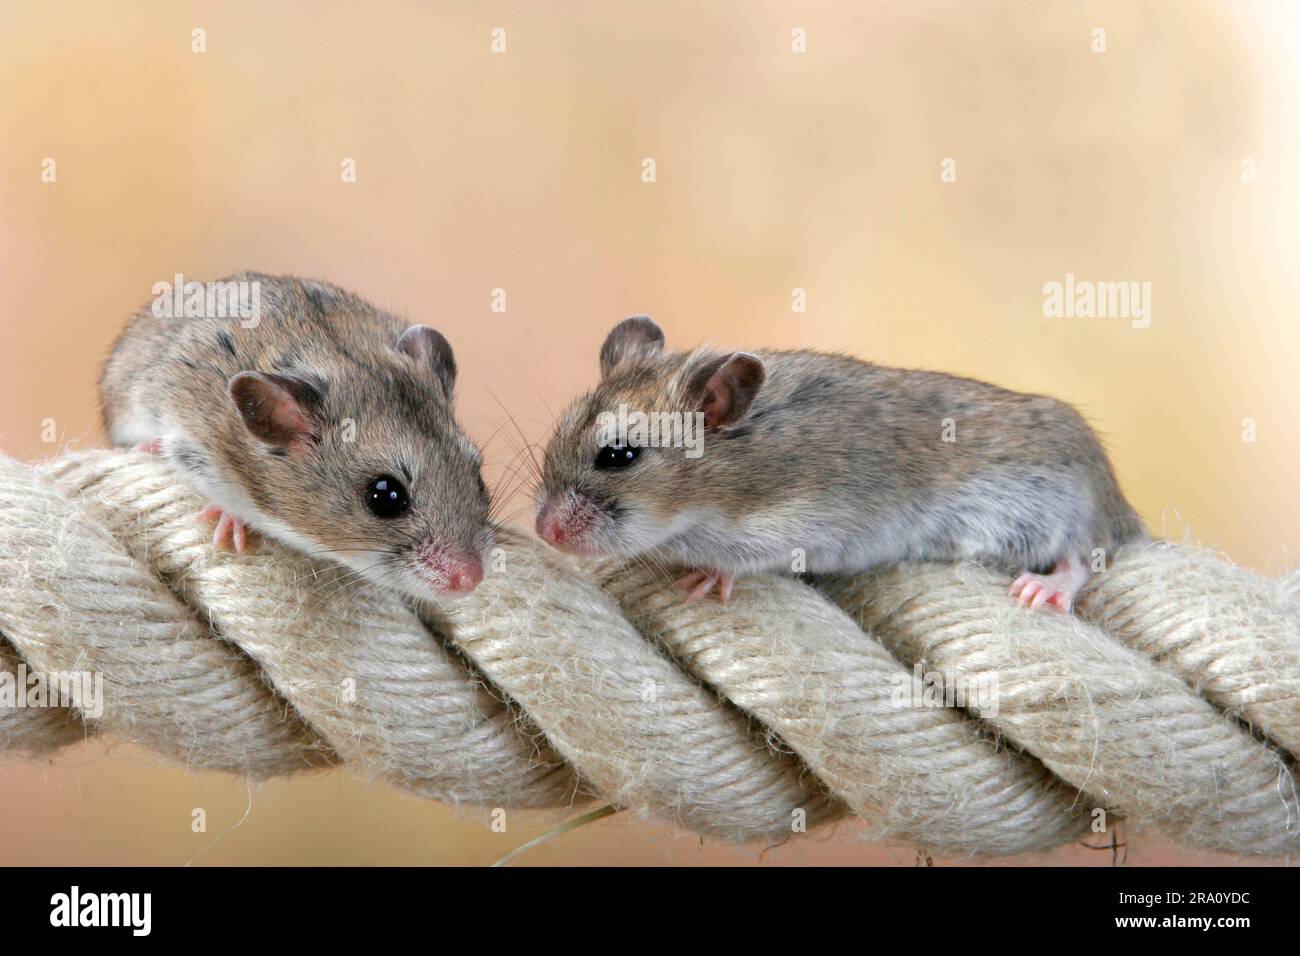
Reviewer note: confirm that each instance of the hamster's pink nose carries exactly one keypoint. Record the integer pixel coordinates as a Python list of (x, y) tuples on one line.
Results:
[(451, 571), (550, 528), (465, 576)]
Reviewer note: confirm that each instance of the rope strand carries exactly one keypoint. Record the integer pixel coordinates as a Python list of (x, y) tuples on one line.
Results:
[(1172, 699)]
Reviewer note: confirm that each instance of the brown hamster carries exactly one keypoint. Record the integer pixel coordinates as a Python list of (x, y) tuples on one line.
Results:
[(827, 464), (327, 425)]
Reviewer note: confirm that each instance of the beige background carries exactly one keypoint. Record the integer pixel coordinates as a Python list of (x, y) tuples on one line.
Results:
[(775, 170)]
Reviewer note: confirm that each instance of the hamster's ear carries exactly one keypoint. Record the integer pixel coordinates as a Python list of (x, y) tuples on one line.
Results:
[(636, 337), (730, 389), (276, 409), (430, 348)]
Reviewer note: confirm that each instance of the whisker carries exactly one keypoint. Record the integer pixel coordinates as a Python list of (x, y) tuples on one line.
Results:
[(554, 418), (503, 521), (514, 421)]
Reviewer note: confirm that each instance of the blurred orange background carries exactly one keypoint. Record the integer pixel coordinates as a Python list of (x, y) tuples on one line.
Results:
[(1169, 158)]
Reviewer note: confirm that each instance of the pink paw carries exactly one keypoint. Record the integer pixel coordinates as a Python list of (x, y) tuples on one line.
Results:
[(1057, 589), (701, 584), (231, 534), (151, 447)]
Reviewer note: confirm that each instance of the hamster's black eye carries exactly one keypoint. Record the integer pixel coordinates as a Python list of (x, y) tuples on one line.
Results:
[(386, 497), (616, 456)]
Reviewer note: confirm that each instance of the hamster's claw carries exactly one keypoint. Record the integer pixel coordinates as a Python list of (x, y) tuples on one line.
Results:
[(231, 534), (701, 584), (1057, 589)]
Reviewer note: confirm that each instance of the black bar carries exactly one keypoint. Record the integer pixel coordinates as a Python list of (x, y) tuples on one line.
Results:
[(204, 906)]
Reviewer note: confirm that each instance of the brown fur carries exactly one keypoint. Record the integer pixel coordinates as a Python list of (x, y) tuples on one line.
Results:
[(169, 376), (843, 461)]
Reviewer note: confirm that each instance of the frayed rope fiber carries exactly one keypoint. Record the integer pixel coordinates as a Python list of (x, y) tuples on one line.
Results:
[(1171, 700)]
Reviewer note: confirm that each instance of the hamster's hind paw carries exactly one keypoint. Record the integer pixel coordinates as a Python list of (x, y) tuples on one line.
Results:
[(230, 534), (154, 447), (701, 583), (1056, 589)]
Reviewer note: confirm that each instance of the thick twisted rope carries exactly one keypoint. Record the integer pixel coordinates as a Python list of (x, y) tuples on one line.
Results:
[(1172, 699)]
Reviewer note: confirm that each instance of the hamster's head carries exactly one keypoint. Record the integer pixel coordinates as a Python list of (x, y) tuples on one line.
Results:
[(364, 463), (645, 455)]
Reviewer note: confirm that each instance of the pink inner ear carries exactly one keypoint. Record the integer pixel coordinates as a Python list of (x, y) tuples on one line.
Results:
[(290, 417), (717, 401), (270, 411)]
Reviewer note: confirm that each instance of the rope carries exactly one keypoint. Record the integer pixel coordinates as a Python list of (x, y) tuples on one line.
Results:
[(1171, 700)]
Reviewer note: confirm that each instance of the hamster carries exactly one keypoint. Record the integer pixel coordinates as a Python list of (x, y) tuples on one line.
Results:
[(326, 425), (827, 464)]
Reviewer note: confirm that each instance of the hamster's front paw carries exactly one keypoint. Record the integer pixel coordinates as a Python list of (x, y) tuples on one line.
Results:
[(1056, 589), (701, 583), (230, 534)]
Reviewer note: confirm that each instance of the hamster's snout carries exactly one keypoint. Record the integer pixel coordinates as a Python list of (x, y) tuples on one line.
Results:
[(448, 570), (565, 524), (550, 529)]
